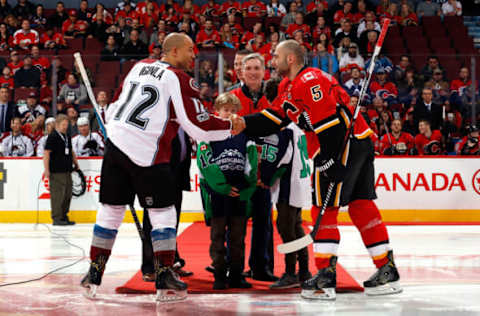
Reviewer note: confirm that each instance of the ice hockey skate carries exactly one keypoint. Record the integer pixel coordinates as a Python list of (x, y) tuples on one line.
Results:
[(322, 285), (169, 287), (93, 278), (385, 281)]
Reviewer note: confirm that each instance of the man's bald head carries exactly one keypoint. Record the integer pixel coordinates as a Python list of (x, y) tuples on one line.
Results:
[(178, 51), (291, 47), (175, 40)]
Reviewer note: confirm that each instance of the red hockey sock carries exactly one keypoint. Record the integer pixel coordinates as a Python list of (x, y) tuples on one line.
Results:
[(166, 257), (95, 252), (366, 217), (327, 238)]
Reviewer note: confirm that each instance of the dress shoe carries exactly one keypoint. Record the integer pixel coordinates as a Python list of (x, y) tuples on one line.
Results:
[(183, 273), (60, 223), (264, 276), (148, 277)]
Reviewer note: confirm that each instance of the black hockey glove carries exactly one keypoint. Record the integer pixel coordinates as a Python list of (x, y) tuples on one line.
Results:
[(333, 170), (91, 144)]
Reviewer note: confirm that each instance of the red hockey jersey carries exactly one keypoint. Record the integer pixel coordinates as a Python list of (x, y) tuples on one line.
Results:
[(429, 146), (401, 146)]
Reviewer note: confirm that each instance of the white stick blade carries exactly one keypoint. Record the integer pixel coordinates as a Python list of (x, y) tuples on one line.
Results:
[(295, 245)]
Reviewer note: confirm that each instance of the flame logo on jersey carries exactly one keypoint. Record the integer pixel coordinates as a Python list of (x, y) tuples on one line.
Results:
[(432, 148)]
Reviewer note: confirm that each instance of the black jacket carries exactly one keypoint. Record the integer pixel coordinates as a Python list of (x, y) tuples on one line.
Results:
[(27, 78), (181, 169), (10, 113), (421, 111), (131, 51)]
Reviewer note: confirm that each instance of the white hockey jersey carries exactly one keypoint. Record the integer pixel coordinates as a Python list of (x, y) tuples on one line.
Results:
[(41, 145), (298, 186), (155, 100), (81, 149), (32, 114), (17, 146)]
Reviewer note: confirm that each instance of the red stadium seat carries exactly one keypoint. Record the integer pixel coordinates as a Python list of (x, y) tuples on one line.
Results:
[(431, 20), (440, 42), (104, 80), (126, 66), (435, 31), (112, 67), (75, 44), (412, 32), (93, 44), (249, 22), (22, 93)]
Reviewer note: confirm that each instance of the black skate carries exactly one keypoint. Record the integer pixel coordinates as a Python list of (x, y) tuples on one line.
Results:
[(169, 287), (322, 285), (385, 281), (94, 276), (287, 281)]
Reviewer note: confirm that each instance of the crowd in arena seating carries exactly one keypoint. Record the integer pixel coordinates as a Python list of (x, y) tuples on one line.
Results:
[(411, 87)]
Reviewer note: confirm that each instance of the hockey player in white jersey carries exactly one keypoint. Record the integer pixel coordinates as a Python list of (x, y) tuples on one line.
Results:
[(87, 143), (156, 98), (49, 127), (14, 143)]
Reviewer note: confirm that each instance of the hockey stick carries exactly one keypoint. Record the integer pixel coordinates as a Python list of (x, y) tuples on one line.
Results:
[(101, 123), (306, 240)]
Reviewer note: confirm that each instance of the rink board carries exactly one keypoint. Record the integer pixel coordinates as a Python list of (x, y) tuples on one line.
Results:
[(410, 190)]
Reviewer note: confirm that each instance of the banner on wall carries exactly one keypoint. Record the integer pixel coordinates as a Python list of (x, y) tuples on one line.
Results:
[(402, 184)]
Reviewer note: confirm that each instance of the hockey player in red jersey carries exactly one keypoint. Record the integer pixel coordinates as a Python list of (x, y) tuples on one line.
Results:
[(157, 98), (397, 143), (315, 101), (428, 142)]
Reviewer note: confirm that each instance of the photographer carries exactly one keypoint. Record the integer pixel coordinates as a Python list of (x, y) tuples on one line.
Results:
[(87, 144), (470, 143)]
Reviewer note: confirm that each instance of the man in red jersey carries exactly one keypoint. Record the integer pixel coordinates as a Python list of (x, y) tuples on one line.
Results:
[(397, 143), (428, 142), (315, 101)]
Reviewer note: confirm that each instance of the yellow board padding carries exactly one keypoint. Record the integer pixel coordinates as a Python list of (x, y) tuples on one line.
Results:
[(389, 216)]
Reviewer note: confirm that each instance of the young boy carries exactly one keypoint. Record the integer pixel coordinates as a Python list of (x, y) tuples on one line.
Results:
[(228, 176)]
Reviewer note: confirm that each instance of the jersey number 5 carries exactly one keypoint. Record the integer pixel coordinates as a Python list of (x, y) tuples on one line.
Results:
[(133, 117), (316, 93)]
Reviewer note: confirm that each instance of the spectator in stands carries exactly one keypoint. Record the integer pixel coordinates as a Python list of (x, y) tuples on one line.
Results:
[(7, 110), (379, 106), (439, 87), (118, 30), (25, 37), (158, 42), (354, 85), (316, 9), (76, 72), (142, 35), (98, 28), (52, 39), (24, 9), (73, 93), (6, 39), (457, 86), (15, 63), (161, 28), (407, 17), (409, 123), (12, 23), (134, 49), (128, 13), (27, 76), (467, 101), (452, 8), (49, 128), (34, 129), (369, 19), (345, 13), (289, 18), (206, 73), (84, 13), (432, 64), (345, 30), (38, 19), (383, 122), (5, 8), (391, 13), (256, 43), (300, 6), (276, 9), (254, 8), (325, 40), (228, 38), (60, 15), (121, 5), (382, 7), (102, 14), (360, 12), (321, 28), (155, 51), (42, 63), (300, 38), (61, 71), (150, 18), (210, 9), (397, 143), (249, 35), (102, 101), (192, 26), (398, 73), (408, 87), (324, 60), (428, 110), (469, 145), (230, 7), (367, 45), (14, 143), (299, 25), (6, 80), (58, 161), (351, 59), (31, 110), (74, 27), (46, 94), (208, 37), (428, 8), (111, 51), (428, 142), (72, 115), (87, 143)]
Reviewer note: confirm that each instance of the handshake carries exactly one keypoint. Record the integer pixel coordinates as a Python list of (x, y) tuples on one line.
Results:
[(238, 124)]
